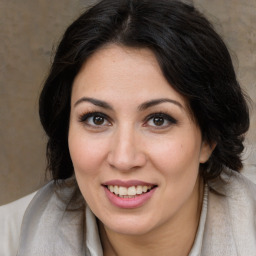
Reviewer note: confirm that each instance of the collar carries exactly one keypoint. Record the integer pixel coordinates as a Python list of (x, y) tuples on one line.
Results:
[(92, 234)]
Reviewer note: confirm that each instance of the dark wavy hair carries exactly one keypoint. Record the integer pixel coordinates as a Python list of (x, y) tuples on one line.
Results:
[(193, 59)]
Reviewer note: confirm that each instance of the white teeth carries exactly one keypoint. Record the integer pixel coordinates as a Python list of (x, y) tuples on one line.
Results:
[(122, 191), (116, 190), (130, 191), (144, 189), (139, 190)]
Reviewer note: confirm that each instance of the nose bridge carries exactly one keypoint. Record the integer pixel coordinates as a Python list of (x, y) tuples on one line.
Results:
[(125, 153)]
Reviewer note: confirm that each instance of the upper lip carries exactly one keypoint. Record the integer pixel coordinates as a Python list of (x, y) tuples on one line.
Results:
[(127, 183)]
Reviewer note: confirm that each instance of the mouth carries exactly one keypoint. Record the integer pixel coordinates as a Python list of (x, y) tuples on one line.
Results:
[(130, 192)]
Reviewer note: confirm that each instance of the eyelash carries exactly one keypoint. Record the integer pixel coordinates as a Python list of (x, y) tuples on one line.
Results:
[(162, 115), (84, 119)]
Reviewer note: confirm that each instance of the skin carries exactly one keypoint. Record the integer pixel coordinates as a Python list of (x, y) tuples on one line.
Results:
[(128, 144)]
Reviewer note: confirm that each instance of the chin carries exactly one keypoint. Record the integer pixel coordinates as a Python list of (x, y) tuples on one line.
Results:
[(129, 226)]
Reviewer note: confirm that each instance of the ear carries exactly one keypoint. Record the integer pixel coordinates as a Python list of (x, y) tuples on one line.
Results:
[(206, 151)]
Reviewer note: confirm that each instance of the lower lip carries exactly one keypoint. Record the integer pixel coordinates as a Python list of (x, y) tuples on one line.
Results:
[(129, 203)]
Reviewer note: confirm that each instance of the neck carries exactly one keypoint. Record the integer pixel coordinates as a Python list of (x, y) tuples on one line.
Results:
[(173, 238)]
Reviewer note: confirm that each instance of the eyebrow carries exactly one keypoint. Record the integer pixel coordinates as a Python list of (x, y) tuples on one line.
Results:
[(95, 102), (141, 107), (152, 103)]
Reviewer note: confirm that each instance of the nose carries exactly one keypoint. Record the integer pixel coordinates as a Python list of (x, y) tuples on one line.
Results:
[(126, 152)]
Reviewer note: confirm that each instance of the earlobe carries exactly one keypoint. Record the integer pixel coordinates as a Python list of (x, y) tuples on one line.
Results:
[(206, 151)]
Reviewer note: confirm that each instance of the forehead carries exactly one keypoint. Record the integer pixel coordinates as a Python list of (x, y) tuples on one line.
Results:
[(123, 73)]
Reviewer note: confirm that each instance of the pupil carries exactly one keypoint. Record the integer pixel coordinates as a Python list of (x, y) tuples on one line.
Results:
[(98, 120), (158, 121)]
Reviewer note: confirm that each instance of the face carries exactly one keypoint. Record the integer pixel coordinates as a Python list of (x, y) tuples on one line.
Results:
[(134, 146)]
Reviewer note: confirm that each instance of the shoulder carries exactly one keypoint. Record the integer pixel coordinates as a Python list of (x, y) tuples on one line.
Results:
[(241, 186), (249, 171), (11, 216), (236, 191), (234, 185), (231, 217)]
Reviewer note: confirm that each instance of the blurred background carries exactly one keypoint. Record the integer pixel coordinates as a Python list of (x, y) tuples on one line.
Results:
[(30, 31)]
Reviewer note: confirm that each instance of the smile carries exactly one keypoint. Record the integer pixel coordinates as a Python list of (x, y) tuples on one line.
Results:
[(129, 192)]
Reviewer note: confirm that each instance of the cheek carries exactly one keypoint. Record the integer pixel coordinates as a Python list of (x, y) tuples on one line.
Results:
[(86, 154), (176, 156)]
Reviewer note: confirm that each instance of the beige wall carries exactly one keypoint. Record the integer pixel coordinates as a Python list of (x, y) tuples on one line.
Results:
[(28, 31)]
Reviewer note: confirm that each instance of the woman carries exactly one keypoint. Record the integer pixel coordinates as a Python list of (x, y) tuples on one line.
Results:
[(146, 121)]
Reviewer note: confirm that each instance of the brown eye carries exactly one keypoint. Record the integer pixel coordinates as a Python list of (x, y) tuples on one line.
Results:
[(98, 120), (95, 119), (158, 121)]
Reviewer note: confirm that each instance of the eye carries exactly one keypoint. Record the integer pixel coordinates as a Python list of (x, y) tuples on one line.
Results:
[(94, 119), (160, 120), (98, 120)]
